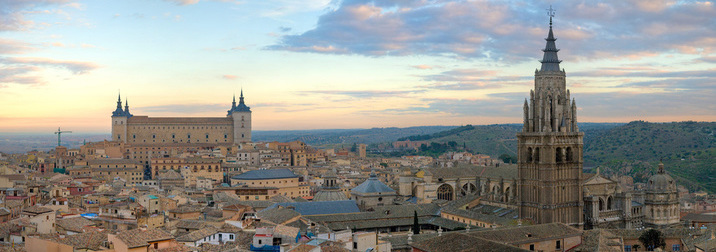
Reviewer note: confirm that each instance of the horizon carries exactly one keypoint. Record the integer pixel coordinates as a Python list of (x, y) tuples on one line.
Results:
[(321, 64), (259, 130)]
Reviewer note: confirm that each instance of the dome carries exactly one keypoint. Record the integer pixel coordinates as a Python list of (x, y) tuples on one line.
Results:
[(660, 181), (329, 195)]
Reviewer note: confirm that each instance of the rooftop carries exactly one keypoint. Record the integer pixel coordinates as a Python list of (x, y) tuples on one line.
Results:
[(266, 174)]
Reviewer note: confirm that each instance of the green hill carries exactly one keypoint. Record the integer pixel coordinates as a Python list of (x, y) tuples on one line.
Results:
[(688, 149)]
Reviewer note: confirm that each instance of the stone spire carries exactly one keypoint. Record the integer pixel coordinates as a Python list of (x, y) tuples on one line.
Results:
[(126, 106), (233, 102), (661, 168), (241, 107), (550, 61), (118, 111)]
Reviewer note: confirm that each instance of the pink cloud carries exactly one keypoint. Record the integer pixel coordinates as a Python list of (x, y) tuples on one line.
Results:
[(229, 77)]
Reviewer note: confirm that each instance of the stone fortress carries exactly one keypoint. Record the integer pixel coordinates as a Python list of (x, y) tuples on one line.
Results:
[(233, 129)]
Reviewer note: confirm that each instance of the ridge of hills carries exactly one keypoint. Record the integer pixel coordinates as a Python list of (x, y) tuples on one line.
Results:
[(688, 149)]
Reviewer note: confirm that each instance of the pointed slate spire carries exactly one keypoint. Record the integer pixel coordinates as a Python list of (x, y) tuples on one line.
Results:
[(241, 97), (233, 102), (550, 61), (118, 111), (126, 108)]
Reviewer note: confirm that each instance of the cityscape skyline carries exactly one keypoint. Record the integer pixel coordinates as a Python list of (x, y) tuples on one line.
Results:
[(350, 64)]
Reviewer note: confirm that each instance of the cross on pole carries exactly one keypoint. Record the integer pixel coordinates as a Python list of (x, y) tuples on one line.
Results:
[(59, 133)]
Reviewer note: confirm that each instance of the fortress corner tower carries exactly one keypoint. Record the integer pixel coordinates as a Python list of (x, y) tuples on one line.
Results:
[(550, 147), (241, 114)]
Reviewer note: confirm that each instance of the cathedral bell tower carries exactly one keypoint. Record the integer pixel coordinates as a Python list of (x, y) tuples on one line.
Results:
[(550, 147)]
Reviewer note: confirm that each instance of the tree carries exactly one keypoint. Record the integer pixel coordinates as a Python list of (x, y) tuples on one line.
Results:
[(508, 159), (416, 225), (354, 148), (652, 239)]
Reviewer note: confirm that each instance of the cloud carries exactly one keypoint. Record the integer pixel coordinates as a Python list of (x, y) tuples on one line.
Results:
[(13, 13), (14, 70), (76, 67), (229, 77), (362, 94), (9, 46), (422, 67), (508, 30), (636, 105), (471, 79)]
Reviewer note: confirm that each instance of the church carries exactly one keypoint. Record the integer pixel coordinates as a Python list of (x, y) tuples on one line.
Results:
[(547, 185), (233, 129)]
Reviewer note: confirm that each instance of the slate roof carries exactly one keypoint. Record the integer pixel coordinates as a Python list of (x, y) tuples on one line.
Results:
[(462, 242), (372, 185), (266, 174), (139, 238), (320, 207), (329, 195)]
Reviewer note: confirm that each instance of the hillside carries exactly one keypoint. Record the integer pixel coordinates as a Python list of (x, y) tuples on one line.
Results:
[(345, 137), (688, 149)]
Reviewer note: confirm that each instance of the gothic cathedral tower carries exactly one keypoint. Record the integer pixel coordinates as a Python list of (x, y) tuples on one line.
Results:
[(550, 147)]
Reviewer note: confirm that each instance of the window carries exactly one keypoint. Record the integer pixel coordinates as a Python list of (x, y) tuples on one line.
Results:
[(532, 247), (627, 248), (676, 247), (558, 245)]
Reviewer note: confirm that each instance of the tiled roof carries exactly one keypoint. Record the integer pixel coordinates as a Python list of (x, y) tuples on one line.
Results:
[(461, 242), (138, 238), (190, 224), (321, 207), (277, 215), (198, 234), (36, 209), (525, 234), (75, 224), (266, 174)]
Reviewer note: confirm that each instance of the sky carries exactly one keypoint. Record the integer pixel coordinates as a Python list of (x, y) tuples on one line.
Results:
[(322, 64)]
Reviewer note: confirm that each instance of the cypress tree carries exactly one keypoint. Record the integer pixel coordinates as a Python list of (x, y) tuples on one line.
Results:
[(416, 225)]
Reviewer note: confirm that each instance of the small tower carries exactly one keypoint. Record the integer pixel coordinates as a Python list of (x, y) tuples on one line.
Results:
[(241, 115), (661, 201), (119, 121)]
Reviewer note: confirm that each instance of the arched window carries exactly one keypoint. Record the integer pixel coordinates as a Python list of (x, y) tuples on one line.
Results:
[(468, 188), (558, 155), (569, 154), (536, 155), (529, 155), (609, 203), (445, 192), (601, 204)]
